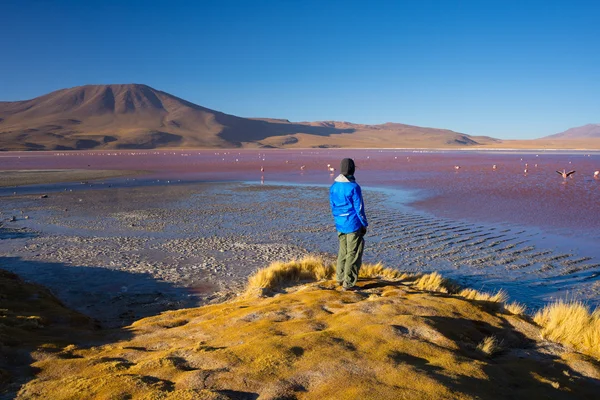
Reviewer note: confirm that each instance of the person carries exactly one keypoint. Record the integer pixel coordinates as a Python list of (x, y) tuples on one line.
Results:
[(347, 206)]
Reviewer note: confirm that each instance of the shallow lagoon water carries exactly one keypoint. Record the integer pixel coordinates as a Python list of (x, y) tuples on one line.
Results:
[(533, 234), (539, 198)]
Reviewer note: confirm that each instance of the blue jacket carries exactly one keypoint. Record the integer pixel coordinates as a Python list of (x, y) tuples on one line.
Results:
[(347, 205)]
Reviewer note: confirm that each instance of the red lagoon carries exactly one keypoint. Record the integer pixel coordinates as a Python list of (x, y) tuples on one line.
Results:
[(488, 186)]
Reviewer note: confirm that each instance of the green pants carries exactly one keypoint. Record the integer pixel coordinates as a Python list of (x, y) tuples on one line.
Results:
[(349, 258)]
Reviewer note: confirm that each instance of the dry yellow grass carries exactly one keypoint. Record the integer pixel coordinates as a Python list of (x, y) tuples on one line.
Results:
[(572, 324), (280, 274), (472, 294), (489, 346), (515, 308), (389, 340), (434, 282), (379, 271)]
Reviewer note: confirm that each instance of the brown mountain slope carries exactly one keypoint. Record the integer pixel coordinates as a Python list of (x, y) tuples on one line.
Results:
[(589, 131), (379, 136), (138, 116)]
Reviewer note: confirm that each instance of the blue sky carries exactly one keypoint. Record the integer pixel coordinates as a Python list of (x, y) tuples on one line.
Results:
[(508, 69)]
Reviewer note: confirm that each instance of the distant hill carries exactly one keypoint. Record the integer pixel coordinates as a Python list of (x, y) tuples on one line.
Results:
[(134, 116), (589, 131)]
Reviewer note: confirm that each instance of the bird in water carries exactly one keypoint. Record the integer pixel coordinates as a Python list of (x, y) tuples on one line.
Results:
[(494, 167), (597, 174), (565, 174), (457, 167), (262, 169)]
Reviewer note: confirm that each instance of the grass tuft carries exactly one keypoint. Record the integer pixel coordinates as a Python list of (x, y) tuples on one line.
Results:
[(472, 294), (280, 273), (572, 324), (379, 271), (489, 346), (309, 269), (515, 308), (434, 282)]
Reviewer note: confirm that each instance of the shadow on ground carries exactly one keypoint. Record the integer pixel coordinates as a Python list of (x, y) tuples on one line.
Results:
[(520, 368), (71, 308)]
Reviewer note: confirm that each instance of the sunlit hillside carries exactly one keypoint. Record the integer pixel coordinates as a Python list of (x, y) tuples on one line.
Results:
[(294, 334)]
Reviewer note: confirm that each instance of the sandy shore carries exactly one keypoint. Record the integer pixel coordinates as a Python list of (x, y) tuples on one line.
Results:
[(119, 254), (35, 177)]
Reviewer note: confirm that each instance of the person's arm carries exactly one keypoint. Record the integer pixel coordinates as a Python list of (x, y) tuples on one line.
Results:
[(359, 206), (331, 199)]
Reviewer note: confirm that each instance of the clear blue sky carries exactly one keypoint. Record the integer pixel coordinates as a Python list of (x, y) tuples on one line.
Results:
[(509, 69)]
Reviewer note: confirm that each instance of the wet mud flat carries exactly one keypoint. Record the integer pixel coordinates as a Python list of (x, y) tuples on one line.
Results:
[(17, 178), (119, 254)]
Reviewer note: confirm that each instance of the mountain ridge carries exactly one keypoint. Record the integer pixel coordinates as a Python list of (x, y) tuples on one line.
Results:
[(588, 131), (137, 116)]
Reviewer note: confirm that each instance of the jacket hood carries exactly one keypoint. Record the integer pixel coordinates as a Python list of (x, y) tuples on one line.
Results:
[(344, 179)]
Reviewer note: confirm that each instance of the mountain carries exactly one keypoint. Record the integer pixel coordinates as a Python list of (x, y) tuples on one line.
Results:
[(134, 116), (589, 131)]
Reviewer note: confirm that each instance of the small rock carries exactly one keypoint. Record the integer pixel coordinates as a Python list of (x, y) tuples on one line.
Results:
[(44, 196), (13, 218)]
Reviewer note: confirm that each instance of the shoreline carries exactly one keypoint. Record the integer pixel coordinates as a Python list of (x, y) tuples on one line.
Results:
[(24, 177)]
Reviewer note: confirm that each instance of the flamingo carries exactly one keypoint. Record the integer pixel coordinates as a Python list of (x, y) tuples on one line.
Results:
[(302, 167), (457, 167), (565, 174), (331, 170), (597, 174), (262, 169), (494, 167)]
